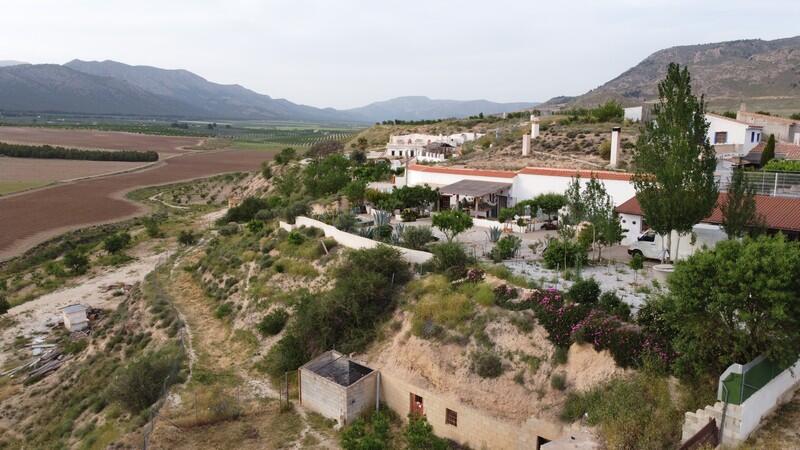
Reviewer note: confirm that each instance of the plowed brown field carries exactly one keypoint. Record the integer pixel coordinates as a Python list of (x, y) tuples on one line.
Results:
[(32, 217), (93, 139)]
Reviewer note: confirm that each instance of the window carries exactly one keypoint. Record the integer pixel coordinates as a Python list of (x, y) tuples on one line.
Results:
[(720, 137), (752, 136), (648, 237), (416, 407), (450, 417)]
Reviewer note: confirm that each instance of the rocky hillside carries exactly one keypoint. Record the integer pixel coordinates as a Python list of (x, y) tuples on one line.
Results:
[(765, 74)]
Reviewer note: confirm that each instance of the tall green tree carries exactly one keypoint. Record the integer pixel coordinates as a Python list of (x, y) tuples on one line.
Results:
[(769, 151), (739, 208), (674, 175), (734, 303)]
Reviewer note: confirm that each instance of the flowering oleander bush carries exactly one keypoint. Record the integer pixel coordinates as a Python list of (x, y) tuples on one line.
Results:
[(475, 275)]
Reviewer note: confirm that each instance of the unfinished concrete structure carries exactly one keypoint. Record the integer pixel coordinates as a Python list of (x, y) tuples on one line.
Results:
[(75, 317), (337, 387)]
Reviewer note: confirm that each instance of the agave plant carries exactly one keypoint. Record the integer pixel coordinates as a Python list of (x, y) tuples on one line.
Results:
[(381, 217), (397, 233), (367, 232), (494, 234)]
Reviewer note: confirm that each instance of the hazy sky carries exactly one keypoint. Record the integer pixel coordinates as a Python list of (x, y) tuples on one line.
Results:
[(346, 53)]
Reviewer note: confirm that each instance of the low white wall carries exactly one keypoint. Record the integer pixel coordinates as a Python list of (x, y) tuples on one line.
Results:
[(350, 240), (767, 399)]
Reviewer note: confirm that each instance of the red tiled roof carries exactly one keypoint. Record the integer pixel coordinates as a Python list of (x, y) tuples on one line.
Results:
[(779, 213), (463, 171), (782, 149), (599, 174), (546, 171)]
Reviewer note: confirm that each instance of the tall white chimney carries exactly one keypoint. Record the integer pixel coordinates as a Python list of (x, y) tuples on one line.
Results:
[(796, 138), (614, 146), (534, 127), (526, 144)]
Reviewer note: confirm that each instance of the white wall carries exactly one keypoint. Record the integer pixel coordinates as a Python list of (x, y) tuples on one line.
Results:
[(633, 224), (742, 135), (767, 399), (416, 177), (634, 114), (527, 186), (350, 240)]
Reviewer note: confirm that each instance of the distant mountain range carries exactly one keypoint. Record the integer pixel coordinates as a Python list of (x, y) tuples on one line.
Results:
[(755, 71), (113, 88), (417, 108)]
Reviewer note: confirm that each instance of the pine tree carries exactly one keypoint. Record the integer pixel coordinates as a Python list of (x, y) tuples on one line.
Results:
[(769, 151), (674, 177), (739, 210)]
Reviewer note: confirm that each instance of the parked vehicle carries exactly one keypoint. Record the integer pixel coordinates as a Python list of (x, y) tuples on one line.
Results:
[(649, 245)]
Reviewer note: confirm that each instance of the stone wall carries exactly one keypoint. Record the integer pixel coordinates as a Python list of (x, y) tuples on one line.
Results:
[(473, 427)]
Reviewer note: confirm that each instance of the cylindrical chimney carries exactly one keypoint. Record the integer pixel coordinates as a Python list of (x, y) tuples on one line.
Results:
[(526, 145), (534, 127), (614, 146)]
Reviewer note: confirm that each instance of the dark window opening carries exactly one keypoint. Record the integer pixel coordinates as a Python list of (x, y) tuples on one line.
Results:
[(451, 417), (416, 406)]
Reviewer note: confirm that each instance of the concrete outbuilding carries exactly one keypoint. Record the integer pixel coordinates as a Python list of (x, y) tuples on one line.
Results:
[(338, 388), (75, 317)]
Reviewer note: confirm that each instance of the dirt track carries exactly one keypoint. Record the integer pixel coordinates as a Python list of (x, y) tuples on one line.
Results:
[(30, 218)]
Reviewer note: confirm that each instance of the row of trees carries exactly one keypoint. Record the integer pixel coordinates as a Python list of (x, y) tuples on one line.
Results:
[(51, 152)]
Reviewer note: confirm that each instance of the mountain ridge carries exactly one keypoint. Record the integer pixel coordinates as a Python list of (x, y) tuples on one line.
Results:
[(114, 88), (764, 72)]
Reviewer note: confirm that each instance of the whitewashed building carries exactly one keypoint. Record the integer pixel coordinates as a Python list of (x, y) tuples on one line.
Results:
[(412, 145), (732, 137)]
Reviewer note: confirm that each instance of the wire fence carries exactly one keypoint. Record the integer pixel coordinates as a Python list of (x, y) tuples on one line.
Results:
[(171, 378)]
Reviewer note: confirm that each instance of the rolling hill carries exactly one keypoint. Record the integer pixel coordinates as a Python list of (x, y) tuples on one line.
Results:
[(765, 74)]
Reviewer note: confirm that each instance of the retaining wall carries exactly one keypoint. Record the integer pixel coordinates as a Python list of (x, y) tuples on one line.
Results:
[(351, 240)]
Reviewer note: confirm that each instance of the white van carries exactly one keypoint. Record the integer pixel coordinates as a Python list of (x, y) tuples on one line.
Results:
[(649, 245), (652, 245)]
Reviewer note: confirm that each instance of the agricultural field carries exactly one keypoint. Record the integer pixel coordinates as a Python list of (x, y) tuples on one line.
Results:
[(18, 174), (32, 217), (94, 139)]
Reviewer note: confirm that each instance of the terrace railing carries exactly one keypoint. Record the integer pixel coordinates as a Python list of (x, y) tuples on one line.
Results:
[(774, 184)]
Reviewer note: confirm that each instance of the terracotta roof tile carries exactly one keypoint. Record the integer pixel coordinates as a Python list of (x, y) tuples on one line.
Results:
[(779, 213), (546, 171), (463, 171), (599, 174)]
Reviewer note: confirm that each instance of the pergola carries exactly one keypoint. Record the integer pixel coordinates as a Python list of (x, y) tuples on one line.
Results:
[(484, 196)]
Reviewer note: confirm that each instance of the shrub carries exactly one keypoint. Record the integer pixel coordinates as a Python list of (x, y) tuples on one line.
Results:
[(140, 383), (487, 364), (345, 222), (408, 215), (559, 252), (295, 238), (483, 294), (612, 304), (503, 293), (419, 435), (116, 242), (450, 259), (630, 412), (273, 322), (229, 229), (558, 381), (4, 305), (505, 248), (255, 226), (584, 291), (557, 318), (77, 262), (223, 310), (560, 355), (370, 433), (475, 275), (417, 237), (245, 211), (186, 237)]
